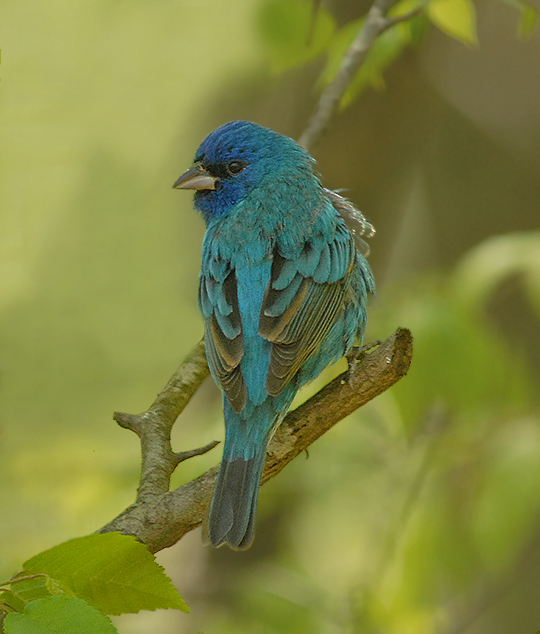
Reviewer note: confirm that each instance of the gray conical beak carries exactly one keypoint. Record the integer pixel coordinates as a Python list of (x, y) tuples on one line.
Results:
[(196, 178)]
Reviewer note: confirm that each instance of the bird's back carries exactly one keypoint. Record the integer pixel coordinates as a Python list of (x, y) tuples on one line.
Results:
[(283, 290)]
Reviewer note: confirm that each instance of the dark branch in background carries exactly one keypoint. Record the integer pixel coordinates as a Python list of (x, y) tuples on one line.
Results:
[(160, 518), (375, 23)]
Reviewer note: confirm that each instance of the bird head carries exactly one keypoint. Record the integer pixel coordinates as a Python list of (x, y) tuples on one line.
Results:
[(237, 158)]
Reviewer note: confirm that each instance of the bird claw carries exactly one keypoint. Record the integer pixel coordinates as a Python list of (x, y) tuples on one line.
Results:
[(355, 355)]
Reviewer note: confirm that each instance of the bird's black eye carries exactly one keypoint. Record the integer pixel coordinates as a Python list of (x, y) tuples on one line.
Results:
[(235, 167)]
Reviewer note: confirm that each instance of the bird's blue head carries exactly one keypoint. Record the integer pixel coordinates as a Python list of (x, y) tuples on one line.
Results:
[(237, 158)]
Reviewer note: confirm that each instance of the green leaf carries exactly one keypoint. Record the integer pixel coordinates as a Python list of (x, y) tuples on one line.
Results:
[(529, 16), (337, 49), (29, 589), (416, 25), (58, 615), (456, 18), (386, 48), (113, 572), (286, 33), (529, 19), (10, 600)]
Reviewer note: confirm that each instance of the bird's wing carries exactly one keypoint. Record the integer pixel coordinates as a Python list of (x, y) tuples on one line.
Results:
[(302, 302), (218, 301)]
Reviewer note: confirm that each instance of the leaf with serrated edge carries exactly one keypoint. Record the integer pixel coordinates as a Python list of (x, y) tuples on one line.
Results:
[(456, 18), (113, 572), (58, 615)]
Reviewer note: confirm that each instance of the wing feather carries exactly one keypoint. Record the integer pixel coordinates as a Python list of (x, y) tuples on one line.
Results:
[(296, 318), (224, 339)]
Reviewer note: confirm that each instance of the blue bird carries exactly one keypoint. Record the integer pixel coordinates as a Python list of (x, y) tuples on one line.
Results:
[(283, 291)]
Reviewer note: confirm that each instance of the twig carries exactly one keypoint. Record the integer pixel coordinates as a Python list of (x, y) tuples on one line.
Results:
[(404, 17), (375, 23), (154, 426), (160, 520)]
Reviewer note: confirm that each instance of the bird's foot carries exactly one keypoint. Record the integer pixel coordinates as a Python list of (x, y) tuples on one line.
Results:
[(355, 354)]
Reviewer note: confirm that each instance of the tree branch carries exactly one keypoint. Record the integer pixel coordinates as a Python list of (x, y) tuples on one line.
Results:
[(374, 24), (161, 519), (154, 426)]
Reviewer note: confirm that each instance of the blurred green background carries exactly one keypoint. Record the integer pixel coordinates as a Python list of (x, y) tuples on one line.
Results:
[(419, 514)]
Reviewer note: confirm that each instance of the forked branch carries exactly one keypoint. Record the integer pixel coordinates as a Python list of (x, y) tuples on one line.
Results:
[(161, 519)]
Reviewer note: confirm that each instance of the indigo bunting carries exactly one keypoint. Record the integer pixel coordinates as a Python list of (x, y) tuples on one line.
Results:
[(283, 290)]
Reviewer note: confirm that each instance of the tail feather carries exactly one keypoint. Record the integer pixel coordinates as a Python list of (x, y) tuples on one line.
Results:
[(231, 518)]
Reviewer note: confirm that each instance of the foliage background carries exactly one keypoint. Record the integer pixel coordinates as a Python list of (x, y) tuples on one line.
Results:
[(418, 514)]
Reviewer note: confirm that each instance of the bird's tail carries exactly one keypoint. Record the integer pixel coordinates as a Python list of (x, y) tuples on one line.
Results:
[(231, 518)]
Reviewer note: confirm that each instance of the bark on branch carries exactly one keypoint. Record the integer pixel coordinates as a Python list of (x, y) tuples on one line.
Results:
[(159, 519), (154, 426)]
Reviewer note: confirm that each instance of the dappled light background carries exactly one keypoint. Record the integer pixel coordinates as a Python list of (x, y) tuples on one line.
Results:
[(418, 514)]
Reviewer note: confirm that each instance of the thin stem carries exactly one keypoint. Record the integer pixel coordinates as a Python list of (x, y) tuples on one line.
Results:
[(375, 23)]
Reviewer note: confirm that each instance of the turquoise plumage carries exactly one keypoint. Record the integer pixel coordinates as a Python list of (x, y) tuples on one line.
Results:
[(283, 292)]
